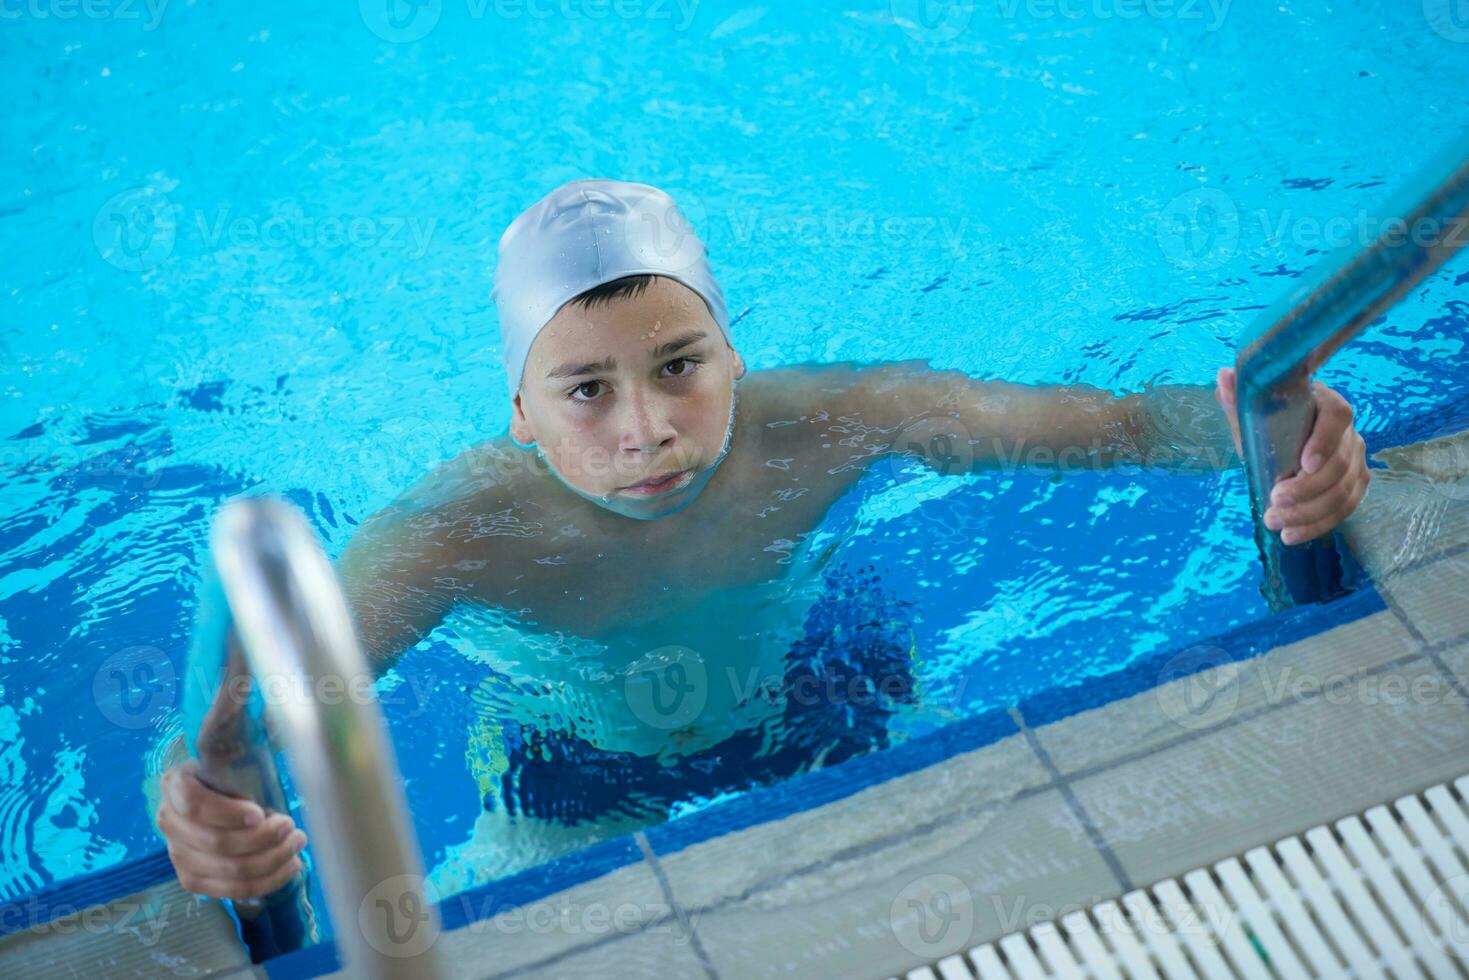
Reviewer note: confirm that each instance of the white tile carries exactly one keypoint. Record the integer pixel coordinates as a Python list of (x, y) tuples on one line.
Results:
[(1336, 751), (914, 869), (1433, 597), (588, 923), (1214, 697), (162, 930), (877, 822)]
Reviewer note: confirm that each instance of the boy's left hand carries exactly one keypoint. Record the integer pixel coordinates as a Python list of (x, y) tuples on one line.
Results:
[(1334, 473)]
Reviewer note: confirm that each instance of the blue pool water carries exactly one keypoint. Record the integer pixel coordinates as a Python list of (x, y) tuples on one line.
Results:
[(250, 248)]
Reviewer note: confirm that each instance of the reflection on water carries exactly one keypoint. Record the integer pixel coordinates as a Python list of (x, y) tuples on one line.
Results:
[(1031, 236)]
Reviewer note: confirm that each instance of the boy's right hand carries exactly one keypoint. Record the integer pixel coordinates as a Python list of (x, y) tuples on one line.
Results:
[(223, 846)]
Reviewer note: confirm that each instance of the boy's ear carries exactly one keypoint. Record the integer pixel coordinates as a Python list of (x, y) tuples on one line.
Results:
[(739, 363), (519, 424)]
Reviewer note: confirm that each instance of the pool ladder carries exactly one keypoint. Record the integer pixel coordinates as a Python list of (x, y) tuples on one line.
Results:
[(274, 635), (1293, 338)]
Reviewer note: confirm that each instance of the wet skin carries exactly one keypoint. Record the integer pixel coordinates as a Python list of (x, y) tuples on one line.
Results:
[(543, 538)]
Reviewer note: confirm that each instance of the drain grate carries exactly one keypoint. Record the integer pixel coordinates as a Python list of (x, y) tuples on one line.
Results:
[(1380, 894)]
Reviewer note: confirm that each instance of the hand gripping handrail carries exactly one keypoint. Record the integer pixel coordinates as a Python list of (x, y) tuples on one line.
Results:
[(1428, 223), (275, 654)]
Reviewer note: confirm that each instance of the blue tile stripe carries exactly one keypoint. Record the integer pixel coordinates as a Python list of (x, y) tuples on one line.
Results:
[(64, 898), (773, 803), (798, 793), (763, 805), (1241, 643), (812, 790)]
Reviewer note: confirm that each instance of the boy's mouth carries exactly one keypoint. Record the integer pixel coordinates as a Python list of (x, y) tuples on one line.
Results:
[(665, 483)]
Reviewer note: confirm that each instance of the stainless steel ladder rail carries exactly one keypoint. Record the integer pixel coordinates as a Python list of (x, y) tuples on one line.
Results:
[(274, 636), (1293, 338)]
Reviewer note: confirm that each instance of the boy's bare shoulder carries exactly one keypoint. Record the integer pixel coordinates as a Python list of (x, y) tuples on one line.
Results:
[(806, 391), (816, 411), (815, 419), (455, 535), (488, 489), (481, 492)]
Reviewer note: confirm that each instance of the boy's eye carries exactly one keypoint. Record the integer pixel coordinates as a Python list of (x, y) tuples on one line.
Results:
[(690, 364)]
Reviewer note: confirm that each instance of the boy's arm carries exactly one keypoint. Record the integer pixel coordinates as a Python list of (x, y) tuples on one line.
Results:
[(958, 422), (388, 572), (401, 570), (388, 586), (949, 417)]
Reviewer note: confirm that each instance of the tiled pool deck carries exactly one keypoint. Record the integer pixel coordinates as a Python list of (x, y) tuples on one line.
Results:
[(1048, 818)]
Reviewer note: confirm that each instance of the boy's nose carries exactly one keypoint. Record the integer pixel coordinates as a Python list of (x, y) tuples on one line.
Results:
[(646, 428)]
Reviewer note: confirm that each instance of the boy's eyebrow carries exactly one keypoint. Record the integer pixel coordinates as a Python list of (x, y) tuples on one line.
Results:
[(573, 370)]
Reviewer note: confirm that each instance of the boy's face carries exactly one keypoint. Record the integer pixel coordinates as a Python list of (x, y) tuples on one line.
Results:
[(626, 391)]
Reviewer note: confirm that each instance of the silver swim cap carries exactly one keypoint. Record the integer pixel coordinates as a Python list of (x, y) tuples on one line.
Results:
[(581, 235)]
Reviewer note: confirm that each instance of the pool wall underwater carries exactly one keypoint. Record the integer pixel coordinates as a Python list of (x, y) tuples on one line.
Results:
[(803, 792)]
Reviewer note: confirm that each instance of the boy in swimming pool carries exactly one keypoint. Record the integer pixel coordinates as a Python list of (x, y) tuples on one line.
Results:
[(637, 504)]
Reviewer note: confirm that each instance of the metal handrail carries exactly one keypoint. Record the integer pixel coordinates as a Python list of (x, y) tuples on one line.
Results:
[(275, 654), (1293, 338)]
